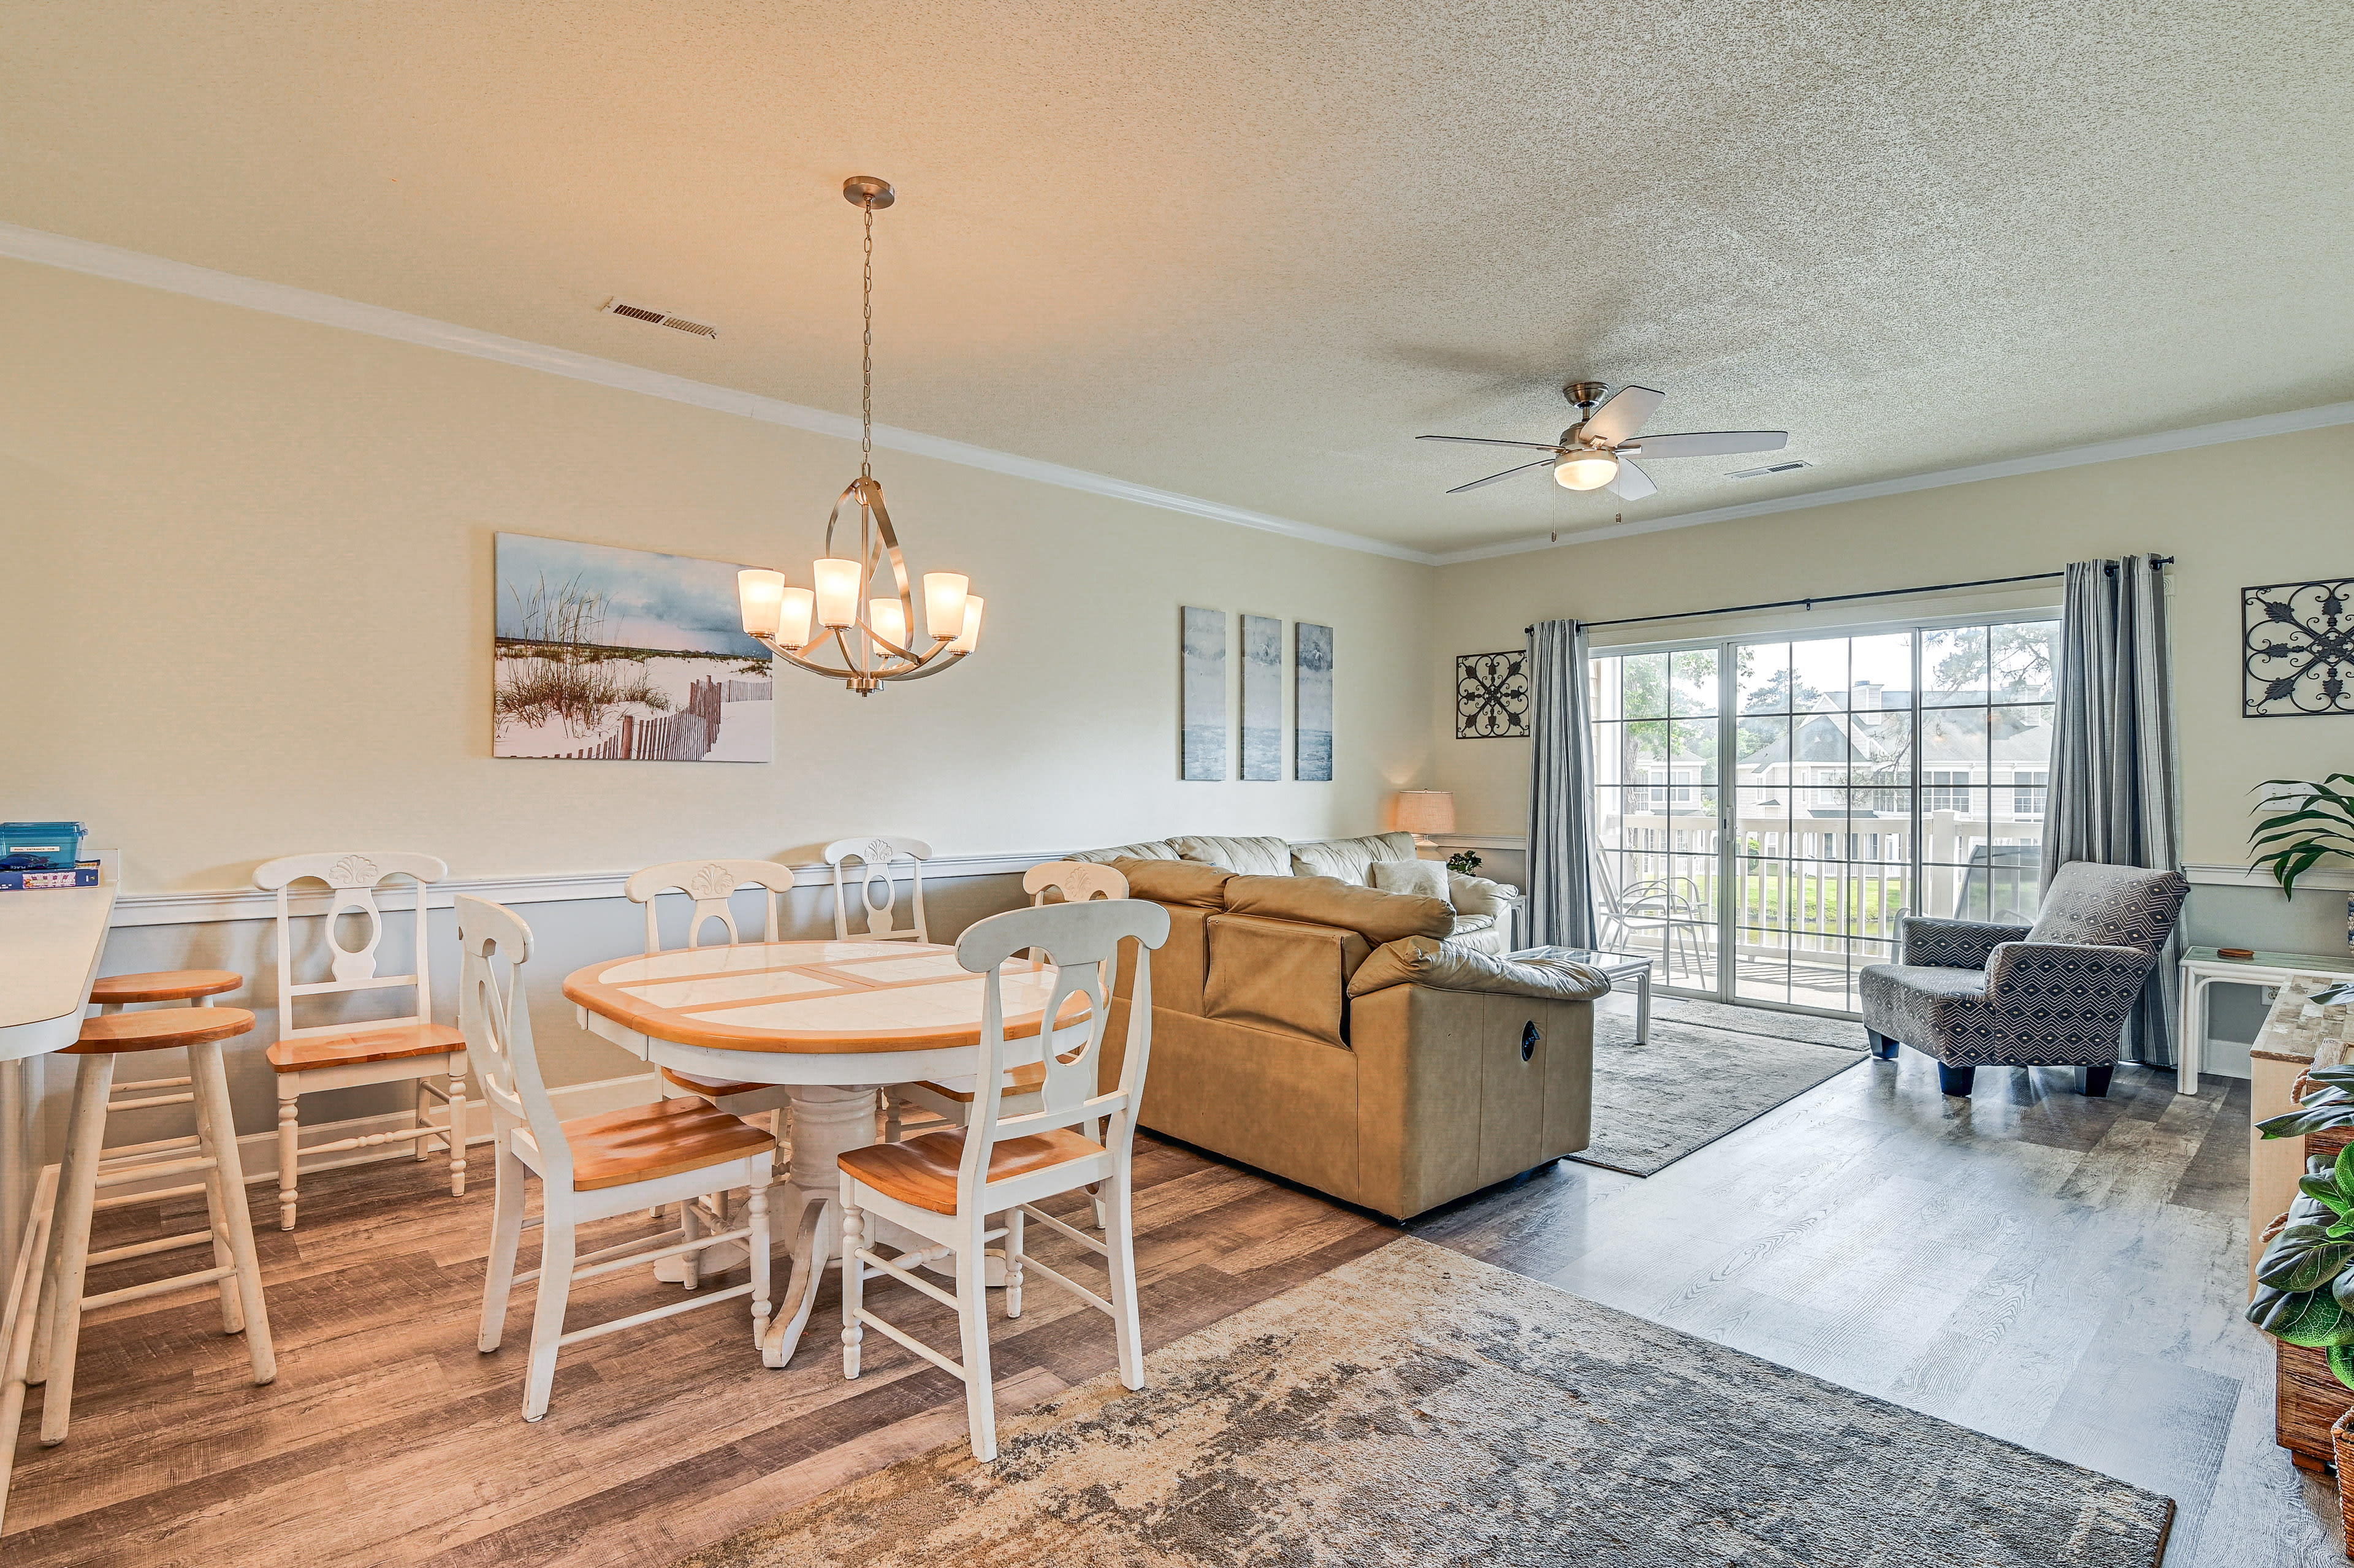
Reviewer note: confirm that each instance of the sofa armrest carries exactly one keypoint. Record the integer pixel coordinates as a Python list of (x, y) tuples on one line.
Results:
[(1952, 944), (1477, 896), (2029, 974)]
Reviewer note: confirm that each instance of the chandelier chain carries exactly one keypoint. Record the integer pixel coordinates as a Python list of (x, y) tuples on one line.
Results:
[(866, 356)]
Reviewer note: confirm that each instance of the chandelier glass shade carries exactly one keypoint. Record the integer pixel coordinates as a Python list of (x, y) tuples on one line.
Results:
[(856, 622)]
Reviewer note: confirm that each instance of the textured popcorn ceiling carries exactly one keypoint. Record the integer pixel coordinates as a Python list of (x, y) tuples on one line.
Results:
[(1248, 251)]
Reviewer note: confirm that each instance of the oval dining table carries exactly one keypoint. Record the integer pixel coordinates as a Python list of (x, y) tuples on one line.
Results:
[(829, 1021)]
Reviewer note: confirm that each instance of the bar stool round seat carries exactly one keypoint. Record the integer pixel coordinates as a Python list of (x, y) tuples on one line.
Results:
[(209, 1155), (118, 1031), (166, 985)]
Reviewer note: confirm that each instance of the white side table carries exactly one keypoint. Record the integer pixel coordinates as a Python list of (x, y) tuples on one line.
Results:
[(2203, 966), (1619, 968)]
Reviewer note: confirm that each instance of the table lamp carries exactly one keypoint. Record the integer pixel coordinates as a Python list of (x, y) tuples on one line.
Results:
[(1422, 811)]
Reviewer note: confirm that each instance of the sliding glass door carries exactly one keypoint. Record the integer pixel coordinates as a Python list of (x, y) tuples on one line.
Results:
[(1766, 808)]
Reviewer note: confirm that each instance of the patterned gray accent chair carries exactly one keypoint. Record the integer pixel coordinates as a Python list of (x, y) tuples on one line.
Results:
[(2053, 994)]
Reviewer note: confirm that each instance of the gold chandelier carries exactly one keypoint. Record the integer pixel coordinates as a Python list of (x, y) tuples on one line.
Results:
[(873, 636)]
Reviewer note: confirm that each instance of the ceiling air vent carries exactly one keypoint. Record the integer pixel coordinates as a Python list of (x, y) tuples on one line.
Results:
[(1790, 467), (640, 313)]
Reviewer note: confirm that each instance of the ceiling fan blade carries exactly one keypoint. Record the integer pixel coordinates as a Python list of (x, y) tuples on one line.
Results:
[(1484, 441), (1540, 463), (1714, 443), (1618, 419), (1632, 484)]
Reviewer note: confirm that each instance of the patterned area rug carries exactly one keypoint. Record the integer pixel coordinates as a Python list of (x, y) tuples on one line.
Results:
[(1695, 1080), (1417, 1406)]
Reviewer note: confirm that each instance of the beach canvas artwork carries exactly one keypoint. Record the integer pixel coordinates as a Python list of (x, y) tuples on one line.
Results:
[(606, 654), (1202, 695), (1311, 703), (1262, 698)]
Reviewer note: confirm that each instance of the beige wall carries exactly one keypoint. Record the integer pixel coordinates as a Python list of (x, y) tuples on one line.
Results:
[(249, 569), (2253, 511)]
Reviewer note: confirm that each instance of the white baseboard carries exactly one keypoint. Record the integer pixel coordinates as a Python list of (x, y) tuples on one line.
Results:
[(258, 1152)]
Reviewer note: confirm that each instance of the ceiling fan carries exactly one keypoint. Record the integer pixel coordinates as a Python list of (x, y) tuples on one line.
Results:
[(1600, 449)]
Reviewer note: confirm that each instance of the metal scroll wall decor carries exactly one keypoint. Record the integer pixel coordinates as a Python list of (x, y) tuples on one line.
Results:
[(1491, 695), (2299, 648)]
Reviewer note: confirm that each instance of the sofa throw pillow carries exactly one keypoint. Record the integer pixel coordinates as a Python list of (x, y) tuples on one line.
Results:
[(1328, 901), (1175, 882), (1477, 896), (1451, 966), (1423, 878), (1348, 859), (1251, 857)]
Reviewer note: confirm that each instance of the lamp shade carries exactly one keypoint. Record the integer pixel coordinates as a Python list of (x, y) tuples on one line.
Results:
[(758, 595), (837, 591), (1585, 471), (793, 618), (969, 638), (1426, 812), (887, 618), (944, 596)]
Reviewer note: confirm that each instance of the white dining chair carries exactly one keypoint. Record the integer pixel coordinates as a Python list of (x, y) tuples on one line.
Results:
[(590, 1168), (951, 1099), (947, 1186), (310, 1058), (713, 884), (875, 859)]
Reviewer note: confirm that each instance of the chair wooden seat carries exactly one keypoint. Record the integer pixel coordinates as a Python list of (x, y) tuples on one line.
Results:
[(365, 1045), (710, 1087), (923, 1170), (166, 985), (616, 1147), (1027, 1079), (159, 1030)]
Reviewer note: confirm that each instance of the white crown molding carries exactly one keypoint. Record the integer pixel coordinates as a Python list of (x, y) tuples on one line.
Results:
[(352, 316), (206, 905), (2290, 423)]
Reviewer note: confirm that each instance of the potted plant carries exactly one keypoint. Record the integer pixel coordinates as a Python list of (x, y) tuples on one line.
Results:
[(2319, 821), (2305, 1281)]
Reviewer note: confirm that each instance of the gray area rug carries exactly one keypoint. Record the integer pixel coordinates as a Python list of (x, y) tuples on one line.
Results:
[(1844, 1032), (1691, 1083), (1417, 1406)]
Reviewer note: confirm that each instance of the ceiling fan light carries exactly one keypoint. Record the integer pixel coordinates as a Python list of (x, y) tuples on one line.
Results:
[(1585, 471)]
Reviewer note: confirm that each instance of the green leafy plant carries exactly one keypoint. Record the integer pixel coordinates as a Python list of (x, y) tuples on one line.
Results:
[(2321, 823), (2305, 1281), (1464, 862)]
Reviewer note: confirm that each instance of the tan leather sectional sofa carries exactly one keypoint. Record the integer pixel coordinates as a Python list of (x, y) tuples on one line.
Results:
[(1365, 1044)]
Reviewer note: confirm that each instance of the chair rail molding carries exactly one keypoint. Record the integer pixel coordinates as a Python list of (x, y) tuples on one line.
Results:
[(198, 906)]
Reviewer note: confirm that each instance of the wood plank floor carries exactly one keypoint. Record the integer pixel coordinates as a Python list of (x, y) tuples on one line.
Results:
[(2061, 1272)]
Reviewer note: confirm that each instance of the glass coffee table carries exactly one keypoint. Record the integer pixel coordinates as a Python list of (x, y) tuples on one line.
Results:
[(1620, 968)]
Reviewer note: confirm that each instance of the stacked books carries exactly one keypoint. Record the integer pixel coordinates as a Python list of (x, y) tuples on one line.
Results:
[(82, 873)]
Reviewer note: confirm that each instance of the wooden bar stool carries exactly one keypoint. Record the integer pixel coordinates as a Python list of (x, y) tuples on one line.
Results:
[(86, 1168)]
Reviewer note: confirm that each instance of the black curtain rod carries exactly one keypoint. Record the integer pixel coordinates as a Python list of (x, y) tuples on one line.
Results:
[(1837, 598)]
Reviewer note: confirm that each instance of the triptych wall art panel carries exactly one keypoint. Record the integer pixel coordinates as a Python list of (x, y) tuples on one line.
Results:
[(1311, 721), (1204, 715), (1262, 698), (1203, 694), (604, 654)]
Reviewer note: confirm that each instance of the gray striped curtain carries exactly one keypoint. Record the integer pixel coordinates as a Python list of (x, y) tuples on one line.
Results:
[(2114, 792), (1560, 792)]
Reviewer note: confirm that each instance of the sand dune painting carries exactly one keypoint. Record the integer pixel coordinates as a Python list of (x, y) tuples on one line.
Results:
[(608, 655)]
